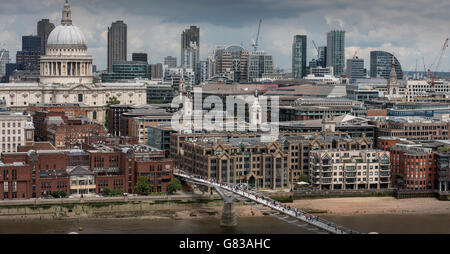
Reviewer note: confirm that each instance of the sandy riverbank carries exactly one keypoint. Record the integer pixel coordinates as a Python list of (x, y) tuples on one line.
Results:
[(375, 205), (334, 206)]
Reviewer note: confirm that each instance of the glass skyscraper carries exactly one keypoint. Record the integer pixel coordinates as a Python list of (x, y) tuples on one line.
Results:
[(336, 51), (299, 56), (381, 64)]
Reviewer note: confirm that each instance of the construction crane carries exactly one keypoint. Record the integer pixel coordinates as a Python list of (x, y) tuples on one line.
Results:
[(255, 42), (315, 46), (433, 75)]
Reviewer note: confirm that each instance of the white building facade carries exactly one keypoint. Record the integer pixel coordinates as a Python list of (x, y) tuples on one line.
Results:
[(66, 77), (16, 129)]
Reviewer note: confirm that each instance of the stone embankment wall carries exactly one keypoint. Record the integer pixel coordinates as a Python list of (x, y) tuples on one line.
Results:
[(103, 208)]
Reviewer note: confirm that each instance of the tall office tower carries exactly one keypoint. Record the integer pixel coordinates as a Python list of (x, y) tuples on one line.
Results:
[(336, 51), (355, 69), (190, 48), (299, 57), (44, 28), (381, 65), (4, 60), (322, 61), (259, 63), (157, 71), (139, 57), (224, 61), (29, 56), (170, 61), (117, 43)]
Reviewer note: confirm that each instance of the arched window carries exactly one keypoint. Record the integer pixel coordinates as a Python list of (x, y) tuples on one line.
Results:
[(94, 115)]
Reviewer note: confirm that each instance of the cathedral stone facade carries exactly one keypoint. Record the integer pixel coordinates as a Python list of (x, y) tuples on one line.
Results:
[(66, 77)]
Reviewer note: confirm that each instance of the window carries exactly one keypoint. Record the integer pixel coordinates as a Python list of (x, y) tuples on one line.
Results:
[(80, 97)]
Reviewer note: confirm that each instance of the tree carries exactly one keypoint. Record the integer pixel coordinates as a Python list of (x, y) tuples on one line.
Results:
[(111, 101), (117, 192), (142, 187), (304, 178), (174, 185), (107, 192), (59, 194)]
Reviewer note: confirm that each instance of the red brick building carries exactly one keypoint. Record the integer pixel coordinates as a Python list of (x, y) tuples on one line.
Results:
[(34, 174), (413, 166)]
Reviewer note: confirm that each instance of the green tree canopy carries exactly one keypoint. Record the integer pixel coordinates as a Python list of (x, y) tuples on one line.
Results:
[(142, 187), (106, 191), (174, 185), (113, 100), (304, 178)]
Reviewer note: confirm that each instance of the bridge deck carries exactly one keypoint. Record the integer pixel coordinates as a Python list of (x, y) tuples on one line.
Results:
[(267, 202)]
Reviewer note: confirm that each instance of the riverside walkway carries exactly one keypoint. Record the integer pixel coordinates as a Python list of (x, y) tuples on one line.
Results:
[(280, 208)]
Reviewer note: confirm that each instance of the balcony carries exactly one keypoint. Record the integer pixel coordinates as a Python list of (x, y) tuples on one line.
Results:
[(384, 173), (384, 180)]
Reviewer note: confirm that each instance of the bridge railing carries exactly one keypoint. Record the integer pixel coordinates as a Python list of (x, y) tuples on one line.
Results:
[(254, 195)]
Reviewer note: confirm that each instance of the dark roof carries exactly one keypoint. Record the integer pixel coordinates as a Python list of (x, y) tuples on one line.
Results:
[(80, 170)]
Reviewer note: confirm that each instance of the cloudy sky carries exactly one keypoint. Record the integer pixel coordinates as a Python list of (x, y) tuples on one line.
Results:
[(411, 29)]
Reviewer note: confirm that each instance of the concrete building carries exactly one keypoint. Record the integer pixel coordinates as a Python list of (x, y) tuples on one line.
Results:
[(355, 127), (117, 43), (321, 71), (44, 28), (127, 70), (350, 170), (259, 63), (355, 69), (30, 54), (419, 89), (299, 48), (159, 92), (157, 71), (140, 57), (322, 61), (16, 129), (381, 65), (336, 51), (170, 61), (415, 128)]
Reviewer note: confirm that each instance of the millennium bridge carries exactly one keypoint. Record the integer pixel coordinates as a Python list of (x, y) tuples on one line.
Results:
[(263, 203)]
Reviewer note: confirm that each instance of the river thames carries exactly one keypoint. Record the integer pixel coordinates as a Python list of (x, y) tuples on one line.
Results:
[(385, 223)]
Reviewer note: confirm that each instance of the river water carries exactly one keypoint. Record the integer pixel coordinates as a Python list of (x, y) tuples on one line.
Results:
[(386, 223)]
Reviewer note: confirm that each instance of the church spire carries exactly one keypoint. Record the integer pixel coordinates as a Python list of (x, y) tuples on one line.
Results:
[(66, 14), (393, 74)]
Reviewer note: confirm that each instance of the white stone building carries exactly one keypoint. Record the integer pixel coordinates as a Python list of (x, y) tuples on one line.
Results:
[(417, 89), (16, 129), (66, 77), (343, 170)]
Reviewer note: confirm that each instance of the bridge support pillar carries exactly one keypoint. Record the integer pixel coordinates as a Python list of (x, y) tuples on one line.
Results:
[(228, 215)]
